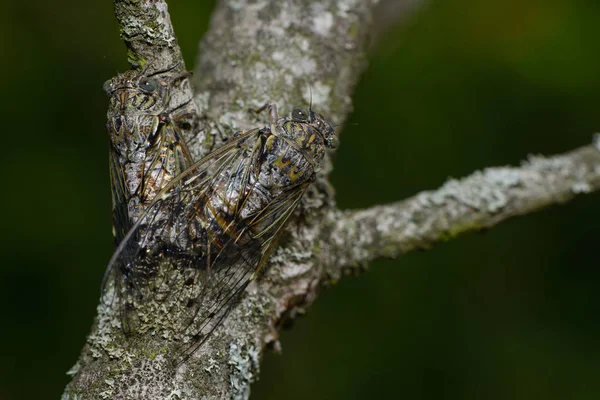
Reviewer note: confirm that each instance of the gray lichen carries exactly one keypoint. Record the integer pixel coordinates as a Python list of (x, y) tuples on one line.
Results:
[(244, 366), (292, 49), (470, 204)]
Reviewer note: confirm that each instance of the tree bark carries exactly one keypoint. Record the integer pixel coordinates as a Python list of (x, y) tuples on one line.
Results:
[(294, 53)]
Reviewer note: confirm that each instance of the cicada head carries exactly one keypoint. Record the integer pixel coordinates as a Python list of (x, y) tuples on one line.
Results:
[(136, 108), (134, 93), (312, 132)]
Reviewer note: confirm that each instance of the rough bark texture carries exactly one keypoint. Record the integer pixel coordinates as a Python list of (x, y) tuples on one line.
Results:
[(292, 53), (286, 52), (476, 202)]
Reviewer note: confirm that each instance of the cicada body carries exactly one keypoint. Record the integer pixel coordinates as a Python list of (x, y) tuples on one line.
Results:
[(209, 230), (147, 151)]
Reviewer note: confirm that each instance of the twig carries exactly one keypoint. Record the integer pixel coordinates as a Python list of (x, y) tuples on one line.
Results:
[(148, 34), (476, 202)]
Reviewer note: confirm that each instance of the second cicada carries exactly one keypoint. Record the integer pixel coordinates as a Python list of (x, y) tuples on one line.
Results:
[(147, 150), (210, 229)]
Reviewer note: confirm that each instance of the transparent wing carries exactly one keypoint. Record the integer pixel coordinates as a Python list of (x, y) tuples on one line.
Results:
[(237, 264), (121, 221), (167, 157), (189, 257)]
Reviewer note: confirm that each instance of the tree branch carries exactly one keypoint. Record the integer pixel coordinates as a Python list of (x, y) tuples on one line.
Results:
[(148, 34), (253, 53), (289, 53), (283, 52), (476, 202)]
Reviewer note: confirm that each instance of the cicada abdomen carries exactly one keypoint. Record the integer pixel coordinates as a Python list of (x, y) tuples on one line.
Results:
[(209, 230), (147, 150)]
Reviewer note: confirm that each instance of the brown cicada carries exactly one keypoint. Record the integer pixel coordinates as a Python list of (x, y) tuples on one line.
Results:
[(210, 229), (147, 150)]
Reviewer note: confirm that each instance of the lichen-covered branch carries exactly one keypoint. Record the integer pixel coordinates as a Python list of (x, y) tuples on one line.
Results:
[(293, 53), (476, 202), (148, 34)]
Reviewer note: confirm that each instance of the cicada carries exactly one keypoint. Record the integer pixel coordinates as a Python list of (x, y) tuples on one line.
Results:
[(209, 230), (147, 150)]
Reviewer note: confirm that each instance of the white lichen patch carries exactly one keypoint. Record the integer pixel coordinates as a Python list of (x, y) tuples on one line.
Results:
[(237, 5), (244, 366), (561, 169), (278, 56), (248, 13), (304, 44), (344, 7), (560, 166), (293, 262), (482, 191), (503, 177), (133, 26), (323, 22), (212, 365), (202, 101), (387, 221), (74, 369), (228, 121), (175, 394), (581, 187), (164, 22), (101, 340), (294, 60)]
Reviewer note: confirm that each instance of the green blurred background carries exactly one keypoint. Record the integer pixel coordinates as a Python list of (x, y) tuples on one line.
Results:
[(512, 313)]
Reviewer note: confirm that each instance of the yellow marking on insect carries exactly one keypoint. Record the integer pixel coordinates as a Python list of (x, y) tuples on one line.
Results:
[(223, 223), (149, 102), (279, 163), (270, 141), (294, 175)]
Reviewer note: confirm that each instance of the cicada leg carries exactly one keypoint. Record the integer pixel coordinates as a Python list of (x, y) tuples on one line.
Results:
[(185, 119), (273, 114), (215, 132)]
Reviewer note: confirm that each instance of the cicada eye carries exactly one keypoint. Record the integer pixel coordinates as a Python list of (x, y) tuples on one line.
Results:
[(107, 86), (332, 142), (300, 115), (147, 85)]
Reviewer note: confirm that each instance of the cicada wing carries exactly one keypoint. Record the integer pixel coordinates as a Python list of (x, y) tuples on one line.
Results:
[(193, 252), (236, 264), (170, 156), (121, 221), (167, 255)]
